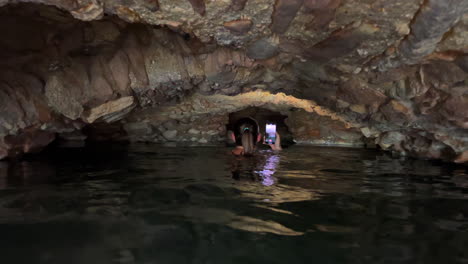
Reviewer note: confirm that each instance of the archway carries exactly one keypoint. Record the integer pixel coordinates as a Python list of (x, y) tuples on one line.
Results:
[(261, 116)]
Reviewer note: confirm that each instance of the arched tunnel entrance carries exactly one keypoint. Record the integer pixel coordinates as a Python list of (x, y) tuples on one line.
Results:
[(261, 116)]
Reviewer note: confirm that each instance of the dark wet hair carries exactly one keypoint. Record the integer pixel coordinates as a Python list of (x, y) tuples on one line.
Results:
[(243, 125)]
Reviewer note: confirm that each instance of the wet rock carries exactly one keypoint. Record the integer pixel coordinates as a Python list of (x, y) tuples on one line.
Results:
[(194, 131), (128, 14), (320, 4), (340, 43), (222, 68), (426, 102), (138, 128), (170, 134), (360, 109), (212, 132), (64, 100), (397, 112), (438, 150), (30, 141), (283, 14), (323, 11), (110, 111), (392, 75), (390, 139), (171, 124), (152, 5), (408, 89), (462, 158), (462, 62), (262, 49), (443, 75), (198, 6), (119, 69), (314, 129), (88, 10), (240, 26), (356, 91), (20, 106), (428, 28), (369, 132), (455, 108), (238, 5)]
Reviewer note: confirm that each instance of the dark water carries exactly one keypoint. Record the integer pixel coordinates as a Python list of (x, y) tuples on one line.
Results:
[(199, 205)]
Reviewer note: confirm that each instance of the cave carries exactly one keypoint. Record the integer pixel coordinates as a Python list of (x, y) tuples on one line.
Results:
[(123, 74), (115, 115)]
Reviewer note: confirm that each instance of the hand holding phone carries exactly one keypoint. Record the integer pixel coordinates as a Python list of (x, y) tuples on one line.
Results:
[(270, 135)]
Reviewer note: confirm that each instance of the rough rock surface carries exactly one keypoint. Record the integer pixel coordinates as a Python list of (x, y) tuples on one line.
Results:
[(344, 72)]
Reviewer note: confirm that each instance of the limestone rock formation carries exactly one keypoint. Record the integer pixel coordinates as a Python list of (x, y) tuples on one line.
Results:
[(391, 73)]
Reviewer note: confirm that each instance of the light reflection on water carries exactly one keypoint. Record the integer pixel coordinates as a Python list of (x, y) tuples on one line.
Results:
[(200, 205), (269, 169)]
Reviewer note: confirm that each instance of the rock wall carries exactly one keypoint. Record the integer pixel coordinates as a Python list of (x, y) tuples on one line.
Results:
[(162, 71), (310, 128), (204, 129), (204, 118), (417, 110)]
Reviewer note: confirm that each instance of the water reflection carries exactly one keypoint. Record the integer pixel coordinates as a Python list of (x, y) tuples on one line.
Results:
[(197, 205), (260, 167), (269, 169)]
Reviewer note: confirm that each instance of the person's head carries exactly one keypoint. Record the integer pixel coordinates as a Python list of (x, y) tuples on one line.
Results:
[(246, 127), (248, 142)]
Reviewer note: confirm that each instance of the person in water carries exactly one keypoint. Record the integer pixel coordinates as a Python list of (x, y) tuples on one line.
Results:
[(247, 139)]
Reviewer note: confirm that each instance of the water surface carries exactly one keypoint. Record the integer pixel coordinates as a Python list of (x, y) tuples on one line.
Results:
[(150, 204)]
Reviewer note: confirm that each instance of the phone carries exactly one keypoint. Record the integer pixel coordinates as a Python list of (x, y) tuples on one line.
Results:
[(270, 137)]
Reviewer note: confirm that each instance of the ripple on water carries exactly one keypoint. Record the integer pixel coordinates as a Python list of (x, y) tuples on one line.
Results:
[(148, 204)]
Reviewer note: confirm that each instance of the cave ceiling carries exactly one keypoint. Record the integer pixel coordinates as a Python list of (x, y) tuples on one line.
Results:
[(395, 71)]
